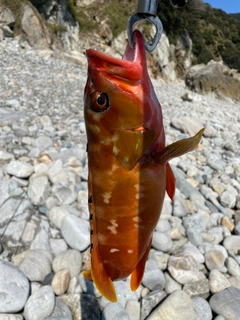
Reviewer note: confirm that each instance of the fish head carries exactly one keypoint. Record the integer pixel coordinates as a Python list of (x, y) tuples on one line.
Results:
[(121, 107)]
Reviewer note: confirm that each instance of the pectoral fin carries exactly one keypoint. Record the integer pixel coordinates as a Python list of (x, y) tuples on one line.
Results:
[(137, 274), (178, 148)]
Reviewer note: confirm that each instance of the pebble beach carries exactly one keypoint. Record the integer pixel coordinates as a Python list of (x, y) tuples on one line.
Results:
[(193, 269)]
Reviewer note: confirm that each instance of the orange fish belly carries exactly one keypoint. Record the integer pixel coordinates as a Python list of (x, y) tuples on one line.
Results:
[(128, 206)]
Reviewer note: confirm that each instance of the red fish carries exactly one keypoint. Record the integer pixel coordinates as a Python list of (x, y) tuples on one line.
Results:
[(128, 165)]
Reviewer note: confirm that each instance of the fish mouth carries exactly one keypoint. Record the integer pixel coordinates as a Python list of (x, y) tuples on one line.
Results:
[(130, 67)]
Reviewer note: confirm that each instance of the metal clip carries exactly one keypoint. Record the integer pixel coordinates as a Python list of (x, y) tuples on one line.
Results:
[(147, 9)]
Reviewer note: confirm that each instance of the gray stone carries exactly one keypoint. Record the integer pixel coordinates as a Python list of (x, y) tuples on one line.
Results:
[(214, 259), (208, 246), (14, 286), (133, 309), (19, 169), (76, 232), (228, 199), (177, 305), (41, 240), (82, 200), (114, 311), (185, 188), (160, 258), (60, 311), (7, 17), (42, 143), (5, 156), (226, 303), (7, 32), (11, 316), (166, 209), (180, 208), (162, 241), (38, 189), (214, 235), (194, 236), (70, 259), (56, 215), (198, 288), (183, 268), (233, 267), (64, 192), (89, 307), (232, 243), (215, 162), (60, 281), (235, 282), (56, 172), (150, 301), (217, 281), (57, 246), (36, 264), (34, 309), (219, 318), (203, 308), (193, 251), (153, 277), (195, 221), (163, 225), (170, 284), (187, 124)]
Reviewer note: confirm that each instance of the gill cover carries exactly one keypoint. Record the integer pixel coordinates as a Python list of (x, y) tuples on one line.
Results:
[(131, 145)]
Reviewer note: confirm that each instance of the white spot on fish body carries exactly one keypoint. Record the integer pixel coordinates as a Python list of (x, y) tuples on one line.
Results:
[(113, 250), (106, 196), (114, 167), (113, 227), (102, 239), (139, 195), (137, 219), (130, 251), (139, 187), (96, 116), (115, 150), (115, 137)]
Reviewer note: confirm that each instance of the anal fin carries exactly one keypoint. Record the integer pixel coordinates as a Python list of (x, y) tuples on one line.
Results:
[(137, 274), (98, 273), (170, 181), (88, 275), (99, 276)]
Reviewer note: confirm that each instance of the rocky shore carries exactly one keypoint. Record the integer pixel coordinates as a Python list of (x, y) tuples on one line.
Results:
[(193, 269)]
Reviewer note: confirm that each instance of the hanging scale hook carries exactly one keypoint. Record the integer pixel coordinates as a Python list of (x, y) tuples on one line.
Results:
[(147, 9)]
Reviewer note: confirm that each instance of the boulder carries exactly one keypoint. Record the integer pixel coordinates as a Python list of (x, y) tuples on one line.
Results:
[(214, 77)]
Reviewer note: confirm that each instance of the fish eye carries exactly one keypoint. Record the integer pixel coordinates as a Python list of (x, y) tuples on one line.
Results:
[(99, 101)]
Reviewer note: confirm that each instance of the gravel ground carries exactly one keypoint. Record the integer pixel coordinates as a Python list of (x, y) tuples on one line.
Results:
[(192, 271)]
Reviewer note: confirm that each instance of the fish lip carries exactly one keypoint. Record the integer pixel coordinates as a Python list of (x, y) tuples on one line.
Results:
[(131, 67)]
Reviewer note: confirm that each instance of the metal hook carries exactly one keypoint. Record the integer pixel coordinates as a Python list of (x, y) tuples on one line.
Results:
[(147, 9)]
